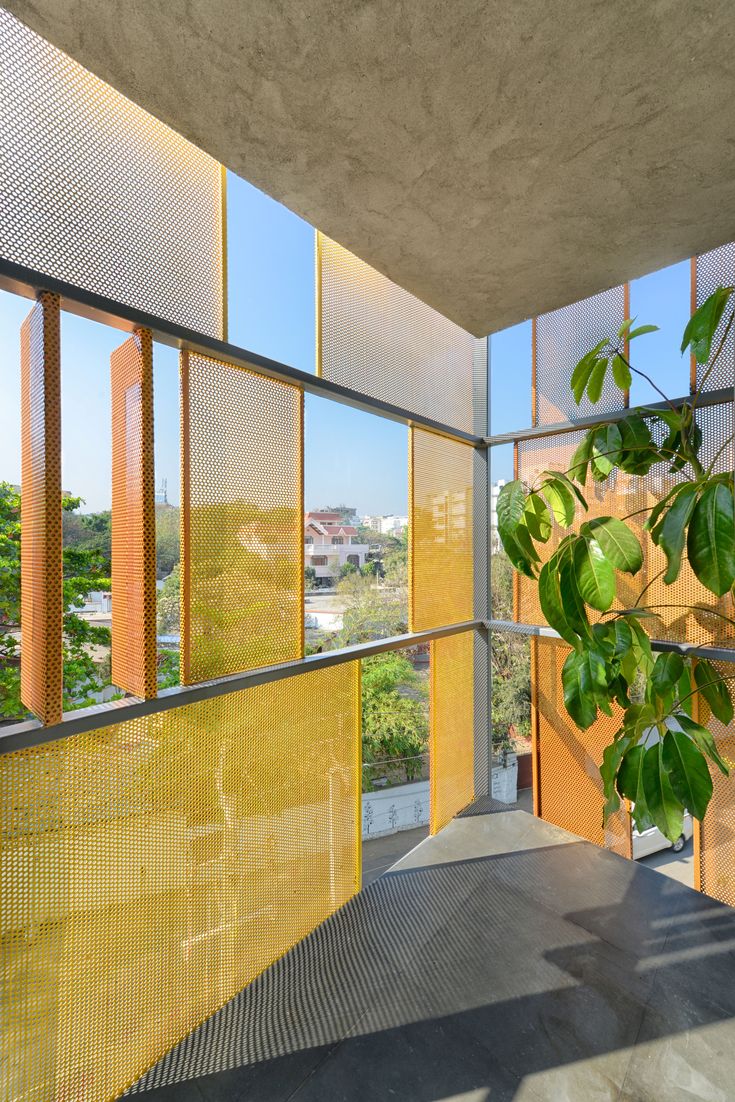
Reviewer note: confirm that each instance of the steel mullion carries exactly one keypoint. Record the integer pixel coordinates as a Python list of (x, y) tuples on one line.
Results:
[(535, 432), (20, 736), (27, 282), (687, 650)]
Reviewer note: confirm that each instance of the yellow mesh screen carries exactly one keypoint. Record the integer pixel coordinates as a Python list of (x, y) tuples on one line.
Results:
[(133, 517), (242, 520), (152, 869), (710, 271), (451, 739), (715, 854), (374, 337), (621, 496), (569, 792), (560, 339), (101, 194), (440, 534), (41, 670)]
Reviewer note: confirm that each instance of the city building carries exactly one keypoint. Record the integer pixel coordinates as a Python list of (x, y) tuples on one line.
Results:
[(386, 524), (329, 545)]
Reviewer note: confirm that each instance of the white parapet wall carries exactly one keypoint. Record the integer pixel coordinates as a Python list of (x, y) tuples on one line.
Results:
[(388, 810)]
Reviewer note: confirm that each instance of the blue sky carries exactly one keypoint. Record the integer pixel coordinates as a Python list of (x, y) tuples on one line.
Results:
[(350, 456)]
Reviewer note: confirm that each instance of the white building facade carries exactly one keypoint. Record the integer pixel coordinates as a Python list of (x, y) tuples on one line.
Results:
[(329, 545)]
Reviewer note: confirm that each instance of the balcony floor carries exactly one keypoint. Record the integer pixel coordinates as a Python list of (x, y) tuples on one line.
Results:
[(501, 959)]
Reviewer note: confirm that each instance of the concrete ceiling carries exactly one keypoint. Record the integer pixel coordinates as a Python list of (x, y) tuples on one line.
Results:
[(497, 159)]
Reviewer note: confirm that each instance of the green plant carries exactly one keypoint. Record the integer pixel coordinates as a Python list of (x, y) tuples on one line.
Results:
[(395, 725), (657, 759)]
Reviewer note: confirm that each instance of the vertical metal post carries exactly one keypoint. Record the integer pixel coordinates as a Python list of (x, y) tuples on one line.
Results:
[(481, 551)]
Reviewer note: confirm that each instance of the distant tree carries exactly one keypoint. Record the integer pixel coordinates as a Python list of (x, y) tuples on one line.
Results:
[(395, 721), (168, 549), (309, 578), (511, 663), (346, 569), (168, 668), (85, 568), (169, 599), (374, 611)]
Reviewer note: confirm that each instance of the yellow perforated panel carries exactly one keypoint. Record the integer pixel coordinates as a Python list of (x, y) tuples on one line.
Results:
[(715, 853), (440, 533), (101, 194), (242, 531), (152, 869), (567, 775), (451, 739), (41, 669), (133, 517), (374, 337)]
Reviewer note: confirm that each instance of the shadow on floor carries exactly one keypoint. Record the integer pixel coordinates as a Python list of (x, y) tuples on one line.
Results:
[(502, 959)]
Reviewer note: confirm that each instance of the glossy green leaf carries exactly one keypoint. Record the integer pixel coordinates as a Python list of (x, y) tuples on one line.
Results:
[(580, 376), (637, 451), (612, 756), (703, 738), (552, 606), (711, 539), (639, 719), (595, 574), (671, 536), (667, 669), (625, 327), (621, 373), (606, 444), (517, 556), (684, 695), (688, 772), (522, 536), (714, 690), (561, 500), (630, 784), (511, 503), (623, 637), (596, 380), (581, 459), (583, 680), (641, 331), (571, 598), (660, 506), (559, 476), (536, 518), (664, 808), (702, 325), (618, 543)]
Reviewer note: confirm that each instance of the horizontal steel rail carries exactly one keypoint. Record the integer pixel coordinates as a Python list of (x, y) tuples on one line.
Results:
[(74, 300), (536, 432), (20, 736), (687, 650)]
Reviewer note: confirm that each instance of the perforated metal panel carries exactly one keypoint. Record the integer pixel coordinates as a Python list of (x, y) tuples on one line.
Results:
[(710, 271), (560, 339), (374, 337), (441, 562), (715, 852), (633, 497), (567, 775), (242, 534), (41, 667), (152, 869), (99, 193), (451, 738), (133, 517)]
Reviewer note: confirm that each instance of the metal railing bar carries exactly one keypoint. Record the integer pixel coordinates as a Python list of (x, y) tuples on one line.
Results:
[(21, 736), (536, 432), (687, 650), (28, 282)]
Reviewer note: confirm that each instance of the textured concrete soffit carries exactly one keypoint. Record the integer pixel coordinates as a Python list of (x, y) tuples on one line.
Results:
[(498, 160)]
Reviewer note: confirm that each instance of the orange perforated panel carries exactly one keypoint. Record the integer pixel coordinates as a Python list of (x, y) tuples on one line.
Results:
[(101, 194), (451, 738), (41, 610), (133, 517), (567, 775), (242, 512), (715, 853), (632, 497), (153, 869), (560, 339), (374, 337), (440, 530), (710, 271)]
